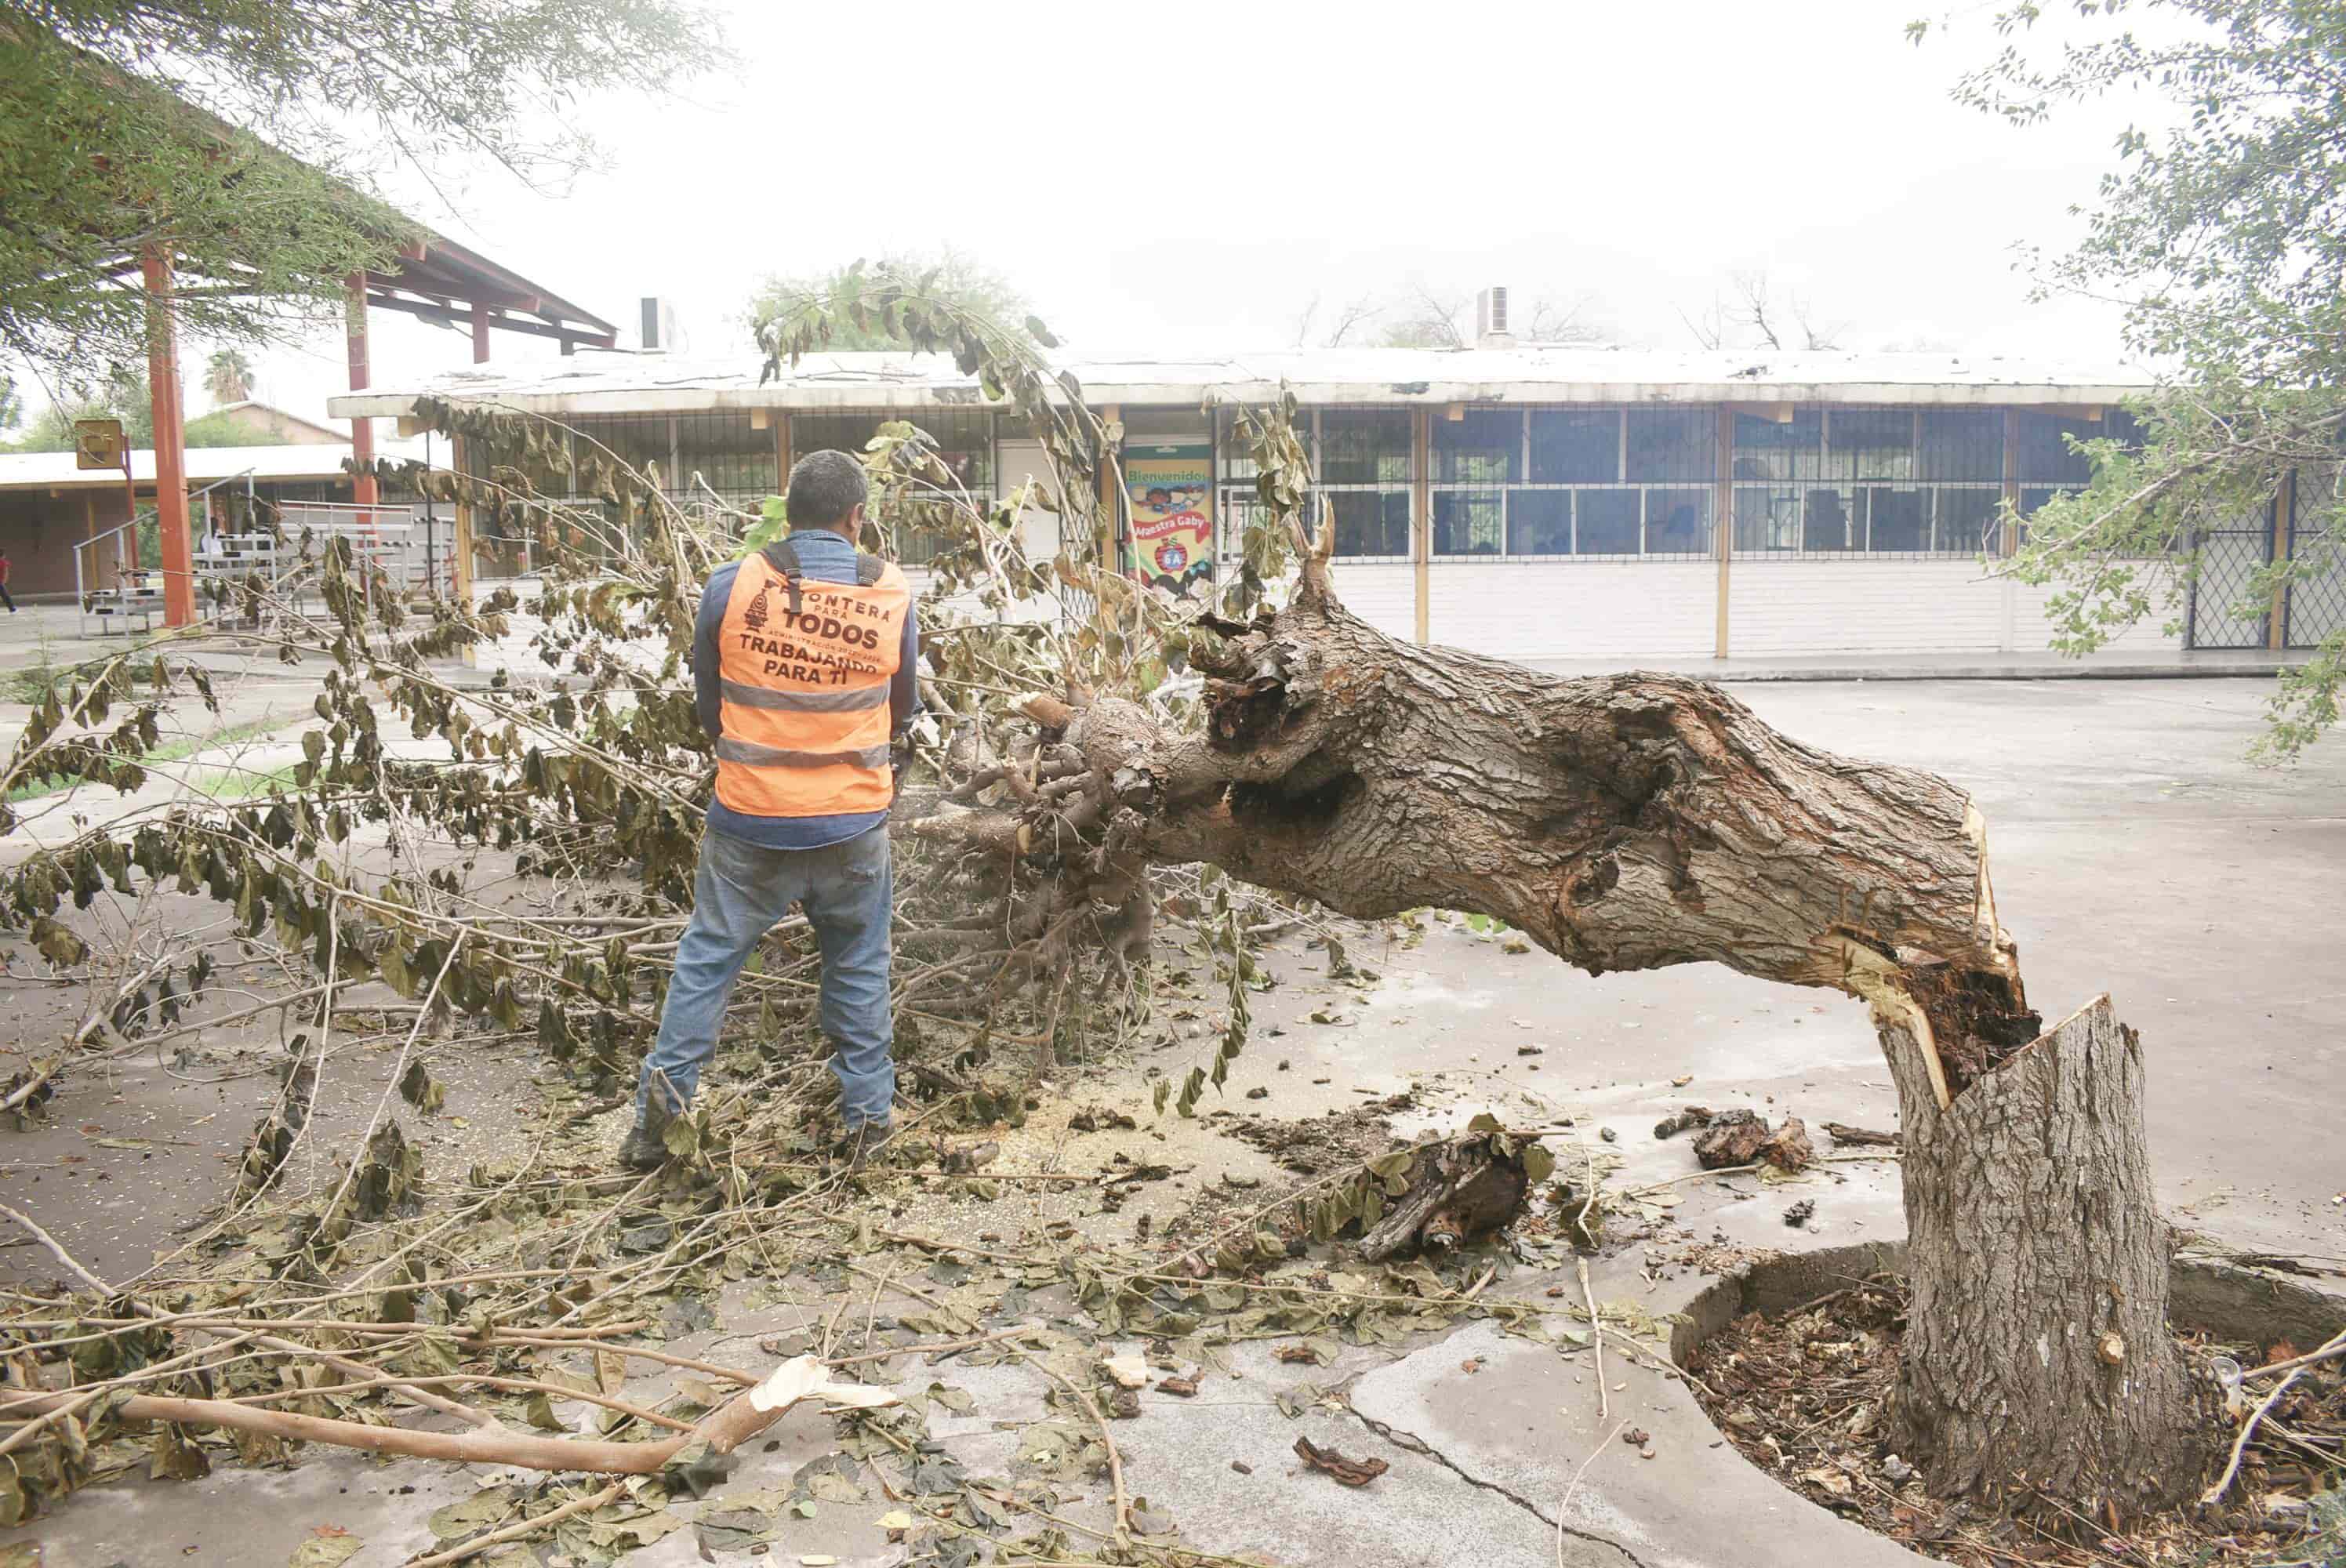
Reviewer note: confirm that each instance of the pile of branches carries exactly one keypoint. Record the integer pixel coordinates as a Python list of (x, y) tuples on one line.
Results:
[(512, 858)]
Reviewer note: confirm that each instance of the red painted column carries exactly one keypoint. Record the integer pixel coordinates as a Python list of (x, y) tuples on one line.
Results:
[(480, 333), (354, 312), (170, 443)]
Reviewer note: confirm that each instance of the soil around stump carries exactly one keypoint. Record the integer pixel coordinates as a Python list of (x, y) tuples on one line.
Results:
[(1794, 1359)]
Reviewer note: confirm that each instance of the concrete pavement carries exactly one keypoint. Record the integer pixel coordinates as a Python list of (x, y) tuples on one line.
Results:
[(2135, 850)]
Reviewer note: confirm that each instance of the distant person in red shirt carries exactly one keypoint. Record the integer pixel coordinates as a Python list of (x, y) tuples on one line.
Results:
[(5, 599)]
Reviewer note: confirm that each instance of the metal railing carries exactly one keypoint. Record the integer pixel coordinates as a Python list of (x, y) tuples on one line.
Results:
[(136, 591)]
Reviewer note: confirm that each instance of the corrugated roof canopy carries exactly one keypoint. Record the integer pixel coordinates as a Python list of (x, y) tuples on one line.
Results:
[(309, 461), (437, 276), (633, 383)]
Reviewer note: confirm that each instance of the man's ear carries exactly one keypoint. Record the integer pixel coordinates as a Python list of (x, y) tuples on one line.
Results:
[(854, 529)]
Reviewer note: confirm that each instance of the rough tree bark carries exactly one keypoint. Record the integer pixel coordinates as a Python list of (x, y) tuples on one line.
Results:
[(1636, 820)]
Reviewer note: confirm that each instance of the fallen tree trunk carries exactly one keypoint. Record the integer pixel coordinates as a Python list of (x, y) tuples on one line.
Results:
[(1636, 820)]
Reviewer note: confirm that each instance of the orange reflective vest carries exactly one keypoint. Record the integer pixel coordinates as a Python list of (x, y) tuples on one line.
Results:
[(805, 666)]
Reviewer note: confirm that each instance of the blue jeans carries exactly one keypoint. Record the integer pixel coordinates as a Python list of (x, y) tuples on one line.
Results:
[(739, 893)]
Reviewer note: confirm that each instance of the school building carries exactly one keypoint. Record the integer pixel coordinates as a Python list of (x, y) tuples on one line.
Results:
[(57, 515), (1528, 502)]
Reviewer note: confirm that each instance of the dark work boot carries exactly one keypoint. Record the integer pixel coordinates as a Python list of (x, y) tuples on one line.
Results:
[(857, 1144), (647, 1147)]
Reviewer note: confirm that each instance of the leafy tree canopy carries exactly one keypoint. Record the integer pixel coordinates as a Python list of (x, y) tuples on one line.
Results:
[(946, 275), (129, 122), (2225, 238), (228, 376)]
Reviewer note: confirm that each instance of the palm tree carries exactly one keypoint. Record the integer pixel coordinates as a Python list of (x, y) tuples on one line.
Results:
[(229, 378)]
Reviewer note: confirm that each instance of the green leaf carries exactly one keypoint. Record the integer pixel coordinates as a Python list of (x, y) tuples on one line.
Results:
[(1539, 1161)]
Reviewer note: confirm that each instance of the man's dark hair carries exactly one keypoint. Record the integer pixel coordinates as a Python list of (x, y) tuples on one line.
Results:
[(825, 486)]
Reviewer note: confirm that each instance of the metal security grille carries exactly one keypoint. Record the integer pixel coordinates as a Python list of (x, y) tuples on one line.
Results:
[(1903, 484), (2313, 606), (2228, 609), (964, 439), (1562, 483)]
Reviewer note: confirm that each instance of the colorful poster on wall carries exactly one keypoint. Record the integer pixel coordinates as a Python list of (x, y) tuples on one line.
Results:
[(1170, 487)]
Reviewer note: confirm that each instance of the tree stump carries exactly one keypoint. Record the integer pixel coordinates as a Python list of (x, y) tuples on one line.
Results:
[(2037, 1355)]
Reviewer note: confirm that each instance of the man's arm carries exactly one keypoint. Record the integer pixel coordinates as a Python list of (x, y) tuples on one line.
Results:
[(707, 661), (905, 686)]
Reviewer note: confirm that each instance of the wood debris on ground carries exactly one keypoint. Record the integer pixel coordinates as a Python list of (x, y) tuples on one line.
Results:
[(1805, 1397)]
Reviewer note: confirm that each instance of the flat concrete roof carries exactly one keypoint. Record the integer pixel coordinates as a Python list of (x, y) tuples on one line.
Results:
[(633, 382), (307, 462)]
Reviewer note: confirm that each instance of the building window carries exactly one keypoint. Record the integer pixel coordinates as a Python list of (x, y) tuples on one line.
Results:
[(1677, 522), (1967, 519), (1960, 444), (1485, 446), (1608, 522), (1469, 522), (734, 459), (1673, 444), (1364, 467), (1539, 523), (1573, 447), (1781, 450), (1365, 446), (1882, 481), (1869, 444), (1897, 518), (1548, 483), (1370, 521), (2041, 450), (964, 439)]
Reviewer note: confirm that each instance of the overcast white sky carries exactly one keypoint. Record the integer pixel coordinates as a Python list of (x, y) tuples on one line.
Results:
[(1185, 178)]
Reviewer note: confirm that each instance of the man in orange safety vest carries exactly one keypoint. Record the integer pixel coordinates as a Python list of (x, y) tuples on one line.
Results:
[(804, 657)]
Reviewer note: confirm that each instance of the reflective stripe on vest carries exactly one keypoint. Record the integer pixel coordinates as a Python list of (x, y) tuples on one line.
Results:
[(805, 695), (804, 702), (731, 750)]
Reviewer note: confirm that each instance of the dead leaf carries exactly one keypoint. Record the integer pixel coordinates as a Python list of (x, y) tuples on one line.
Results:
[(1129, 1371), (480, 1512), (328, 1546), (1182, 1387), (172, 1454), (1831, 1480), (1347, 1471), (731, 1529)]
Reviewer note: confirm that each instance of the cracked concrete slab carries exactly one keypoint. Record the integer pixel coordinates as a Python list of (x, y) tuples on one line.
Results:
[(1527, 1420)]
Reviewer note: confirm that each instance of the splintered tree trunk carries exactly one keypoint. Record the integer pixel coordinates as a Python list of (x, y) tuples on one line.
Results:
[(1636, 820), (2037, 1343)]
